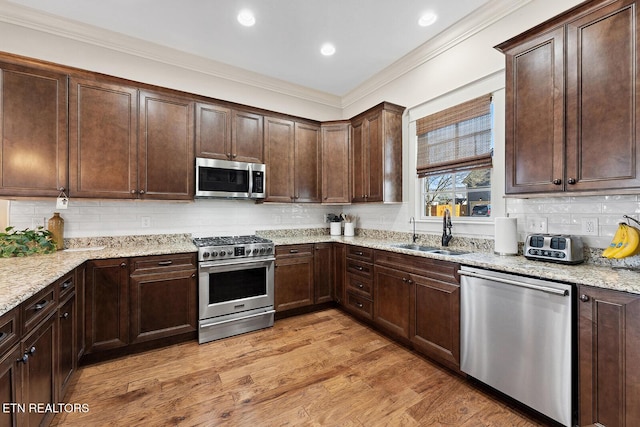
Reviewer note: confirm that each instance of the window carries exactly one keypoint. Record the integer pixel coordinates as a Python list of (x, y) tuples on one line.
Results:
[(454, 153)]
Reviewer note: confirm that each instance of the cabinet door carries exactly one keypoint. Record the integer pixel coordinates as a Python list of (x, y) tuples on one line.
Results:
[(166, 146), (602, 99), (67, 353), (10, 385), (33, 131), (336, 177), (391, 305), (608, 346), (80, 310), (247, 137), (103, 121), (213, 131), (323, 272), (535, 115), (107, 305), (163, 305), (294, 285), (359, 161), (279, 156), (436, 320), (307, 164), (38, 371), (339, 272), (374, 180)]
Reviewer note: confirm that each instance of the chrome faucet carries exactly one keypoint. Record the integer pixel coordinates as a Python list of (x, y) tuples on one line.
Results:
[(446, 224), (414, 237)]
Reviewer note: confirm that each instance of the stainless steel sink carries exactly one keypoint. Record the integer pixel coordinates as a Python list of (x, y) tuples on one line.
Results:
[(427, 249)]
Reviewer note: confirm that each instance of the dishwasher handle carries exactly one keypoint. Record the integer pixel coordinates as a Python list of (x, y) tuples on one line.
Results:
[(547, 289)]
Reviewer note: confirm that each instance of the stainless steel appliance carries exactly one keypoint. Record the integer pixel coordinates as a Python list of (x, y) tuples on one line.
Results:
[(236, 285), (516, 336), (231, 180), (558, 248)]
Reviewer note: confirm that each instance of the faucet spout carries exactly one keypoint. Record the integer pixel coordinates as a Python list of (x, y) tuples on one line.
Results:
[(414, 236), (446, 228)]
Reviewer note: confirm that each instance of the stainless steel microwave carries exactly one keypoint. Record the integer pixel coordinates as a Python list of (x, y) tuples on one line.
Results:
[(231, 180)]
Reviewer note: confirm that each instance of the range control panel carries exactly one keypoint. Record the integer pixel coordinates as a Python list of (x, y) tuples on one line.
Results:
[(559, 248)]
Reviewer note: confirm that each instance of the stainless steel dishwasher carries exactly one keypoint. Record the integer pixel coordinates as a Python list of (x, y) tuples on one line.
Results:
[(516, 336)]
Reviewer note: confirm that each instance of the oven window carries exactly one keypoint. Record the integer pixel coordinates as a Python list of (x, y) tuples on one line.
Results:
[(233, 285), (218, 179)]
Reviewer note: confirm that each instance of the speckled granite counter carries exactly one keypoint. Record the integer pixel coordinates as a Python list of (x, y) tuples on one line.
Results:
[(21, 278), (584, 274)]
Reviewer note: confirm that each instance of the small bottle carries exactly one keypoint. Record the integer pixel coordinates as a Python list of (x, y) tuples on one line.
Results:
[(56, 226)]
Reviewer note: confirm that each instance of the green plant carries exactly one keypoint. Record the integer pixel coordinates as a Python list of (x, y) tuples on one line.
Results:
[(18, 243)]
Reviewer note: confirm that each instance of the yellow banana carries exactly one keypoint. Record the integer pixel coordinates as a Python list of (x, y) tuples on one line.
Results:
[(617, 241), (630, 246)]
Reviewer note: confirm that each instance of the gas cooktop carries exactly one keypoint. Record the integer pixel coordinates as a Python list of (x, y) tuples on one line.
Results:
[(228, 240), (226, 247)]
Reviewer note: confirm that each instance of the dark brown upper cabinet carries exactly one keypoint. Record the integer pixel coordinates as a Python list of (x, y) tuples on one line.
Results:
[(571, 102), (33, 128), (336, 177), (376, 154), (228, 134)]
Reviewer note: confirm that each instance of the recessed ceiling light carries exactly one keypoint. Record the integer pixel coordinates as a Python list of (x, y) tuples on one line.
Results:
[(427, 19), (246, 18), (327, 49)]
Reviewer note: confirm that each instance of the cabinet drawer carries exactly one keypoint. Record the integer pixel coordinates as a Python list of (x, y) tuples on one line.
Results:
[(443, 271), (294, 251), (360, 268), (65, 285), (38, 307), (162, 263), (360, 285), (360, 305), (9, 329), (360, 253)]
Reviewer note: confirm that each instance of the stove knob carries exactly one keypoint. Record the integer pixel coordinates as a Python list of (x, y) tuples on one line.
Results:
[(206, 255), (269, 250), (262, 250), (248, 252), (214, 253), (222, 253)]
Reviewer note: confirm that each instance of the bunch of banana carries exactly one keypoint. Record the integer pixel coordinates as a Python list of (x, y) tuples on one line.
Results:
[(626, 242)]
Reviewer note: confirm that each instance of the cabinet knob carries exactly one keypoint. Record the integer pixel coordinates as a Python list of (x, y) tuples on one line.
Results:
[(234, 156), (404, 279), (193, 276), (359, 304), (133, 191), (584, 298), (65, 285), (39, 306), (557, 181), (123, 265), (23, 359), (31, 351), (571, 181), (65, 315), (62, 189), (360, 285), (229, 155), (141, 191)]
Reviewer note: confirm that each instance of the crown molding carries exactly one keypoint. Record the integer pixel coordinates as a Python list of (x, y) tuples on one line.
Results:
[(77, 31), (462, 30)]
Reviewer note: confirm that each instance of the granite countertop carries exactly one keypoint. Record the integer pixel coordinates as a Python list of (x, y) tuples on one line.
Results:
[(23, 277), (619, 279)]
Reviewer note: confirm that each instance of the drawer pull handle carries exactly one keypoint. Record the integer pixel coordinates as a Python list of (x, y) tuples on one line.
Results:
[(39, 306), (3, 335), (359, 253), (360, 285), (293, 251), (66, 284), (65, 315), (165, 262), (359, 304), (584, 298), (359, 267)]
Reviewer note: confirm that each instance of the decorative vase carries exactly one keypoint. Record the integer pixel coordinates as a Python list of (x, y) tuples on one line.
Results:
[(56, 226), (336, 228)]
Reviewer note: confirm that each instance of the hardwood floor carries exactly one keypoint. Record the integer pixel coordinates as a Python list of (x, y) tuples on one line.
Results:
[(318, 369)]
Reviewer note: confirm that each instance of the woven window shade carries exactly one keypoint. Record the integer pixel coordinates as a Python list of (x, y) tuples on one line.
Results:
[(455, 139)]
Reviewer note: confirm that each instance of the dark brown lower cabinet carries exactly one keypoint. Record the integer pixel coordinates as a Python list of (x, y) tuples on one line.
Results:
[(163, 305), (323, 273), (39, 372), (107, 304), (67, 353), (609, 348), (10, 385), (294, 274), (392, 304), (339, 271)]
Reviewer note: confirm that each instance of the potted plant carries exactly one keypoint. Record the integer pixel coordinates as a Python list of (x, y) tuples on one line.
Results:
[(20, 243)]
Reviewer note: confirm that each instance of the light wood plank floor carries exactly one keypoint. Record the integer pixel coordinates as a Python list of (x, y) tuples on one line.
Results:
[(319, 369)]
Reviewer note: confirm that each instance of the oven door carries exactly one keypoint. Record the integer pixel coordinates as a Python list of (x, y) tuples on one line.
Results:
[(234, 286)]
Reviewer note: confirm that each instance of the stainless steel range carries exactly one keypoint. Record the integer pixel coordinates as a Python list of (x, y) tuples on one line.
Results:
[(236, 285)]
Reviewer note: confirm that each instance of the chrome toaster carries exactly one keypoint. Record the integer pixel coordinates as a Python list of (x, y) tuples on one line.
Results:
[(564, 249)]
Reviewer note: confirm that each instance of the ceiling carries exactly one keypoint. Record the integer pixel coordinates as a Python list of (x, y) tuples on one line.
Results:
[(369, 35)]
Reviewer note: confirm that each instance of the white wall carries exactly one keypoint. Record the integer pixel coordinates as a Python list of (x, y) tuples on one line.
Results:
[(441, 78)]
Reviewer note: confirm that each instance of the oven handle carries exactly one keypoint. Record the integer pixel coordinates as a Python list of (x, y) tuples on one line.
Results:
[(547, 289), (208, 325), (235, 262)]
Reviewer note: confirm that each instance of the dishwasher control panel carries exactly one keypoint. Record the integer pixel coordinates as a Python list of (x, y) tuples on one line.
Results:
[(561, 248)]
